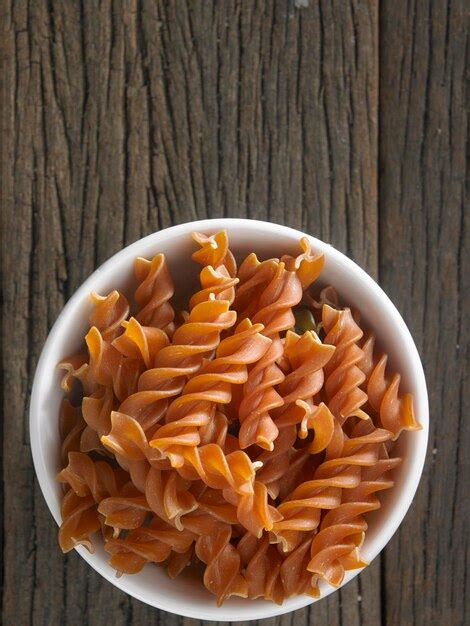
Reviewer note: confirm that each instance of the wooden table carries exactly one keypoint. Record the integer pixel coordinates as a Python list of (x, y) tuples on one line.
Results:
[(344, 119)]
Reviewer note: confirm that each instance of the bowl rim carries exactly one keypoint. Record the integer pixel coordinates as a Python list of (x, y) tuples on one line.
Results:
[(131, 251)]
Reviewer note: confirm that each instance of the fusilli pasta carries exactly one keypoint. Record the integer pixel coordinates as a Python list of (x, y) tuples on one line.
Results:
[(249, 435)]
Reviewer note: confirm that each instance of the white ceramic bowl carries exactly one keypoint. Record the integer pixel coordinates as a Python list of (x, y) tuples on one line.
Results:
[(183, 596)]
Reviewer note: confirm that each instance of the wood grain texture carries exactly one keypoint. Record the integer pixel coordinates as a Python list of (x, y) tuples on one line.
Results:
[(424, 251), (123, 117)]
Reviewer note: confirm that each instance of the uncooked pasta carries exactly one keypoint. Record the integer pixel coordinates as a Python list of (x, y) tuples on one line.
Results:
[(247, 437)]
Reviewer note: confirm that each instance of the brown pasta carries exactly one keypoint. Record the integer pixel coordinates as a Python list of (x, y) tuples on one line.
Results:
[(197, 337), (195, 408), (71, 427), (250, 435), (392, 411), (261, 565), (109, 313), (340, 470), (260, 398), (80, 520), (343, 376), (214, 251), (304, 357), (152, 543), (153, 293), (334, 549), (109, 368)]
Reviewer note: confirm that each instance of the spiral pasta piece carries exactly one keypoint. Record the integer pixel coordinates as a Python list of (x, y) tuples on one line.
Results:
[(195, 509), (88, 477), (214, 282), (276, 462), (328, 295), (234, 471), (198, 337), (254, 277), (109, 367), (253, 509), (71, 426), (295, 577), (97, 409), (343, 375), (284, 463), (90, 442), (301, 510), (127, 510), (210, 524), (216, 431), (394, 412), (277, 300), (335, 548), (222, 574), (260, 396), (120, 503), (80, 521), (212, 386), (128, 442), (306, 265), (154, 293), (140, 342), (261, 565), (76, 367), (214, 251), (274, 576), (89, 481), (169, 496), (321, 421), (130, 447), (176, 562), (75, 432), (153, 543), (109, 313), (305, 356)]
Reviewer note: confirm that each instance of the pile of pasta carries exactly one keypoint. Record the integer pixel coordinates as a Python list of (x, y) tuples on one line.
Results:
[(249, 435)]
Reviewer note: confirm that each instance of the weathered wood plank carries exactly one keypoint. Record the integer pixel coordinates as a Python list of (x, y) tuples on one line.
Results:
[(124, 117), (424, 249)]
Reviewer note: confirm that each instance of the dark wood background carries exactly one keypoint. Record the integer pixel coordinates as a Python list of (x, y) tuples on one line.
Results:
[(346, 119)]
